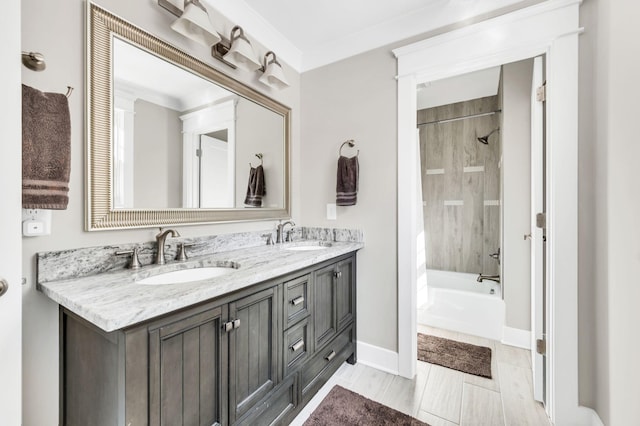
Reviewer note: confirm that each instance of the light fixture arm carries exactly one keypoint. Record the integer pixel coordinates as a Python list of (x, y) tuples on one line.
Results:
[(266, 61)]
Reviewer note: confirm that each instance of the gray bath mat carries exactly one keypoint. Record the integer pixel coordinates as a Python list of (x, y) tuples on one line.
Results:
[(459, 356), (342, 407)]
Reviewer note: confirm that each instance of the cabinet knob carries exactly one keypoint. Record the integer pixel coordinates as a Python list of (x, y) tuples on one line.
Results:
[(236, 323), (298, 300), (298, 345), (330, 356), (337, 274), (227, 326)]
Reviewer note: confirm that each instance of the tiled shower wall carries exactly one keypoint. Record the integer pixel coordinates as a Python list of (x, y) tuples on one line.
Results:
[(461, 186)]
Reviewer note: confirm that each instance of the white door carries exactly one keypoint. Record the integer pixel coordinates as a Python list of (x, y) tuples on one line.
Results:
[(217, 173), (10, 216), (537, 234)]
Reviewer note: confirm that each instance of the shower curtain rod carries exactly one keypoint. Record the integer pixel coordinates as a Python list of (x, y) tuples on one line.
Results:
[(464, 117)]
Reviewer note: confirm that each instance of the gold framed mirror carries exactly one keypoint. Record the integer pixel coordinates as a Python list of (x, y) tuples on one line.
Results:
[(171, 140)]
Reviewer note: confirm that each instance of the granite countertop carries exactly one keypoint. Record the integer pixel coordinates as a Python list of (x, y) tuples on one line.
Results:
[(113, 300)]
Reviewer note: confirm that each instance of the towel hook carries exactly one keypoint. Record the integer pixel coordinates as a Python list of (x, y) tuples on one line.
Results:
[(69, 91), (351, 144), (259, 155)]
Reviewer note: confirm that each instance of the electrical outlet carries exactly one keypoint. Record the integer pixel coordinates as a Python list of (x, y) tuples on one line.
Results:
[(36, 222)]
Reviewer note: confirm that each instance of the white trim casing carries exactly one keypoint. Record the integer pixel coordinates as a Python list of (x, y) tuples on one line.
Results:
[(551, 28), (379, 358)]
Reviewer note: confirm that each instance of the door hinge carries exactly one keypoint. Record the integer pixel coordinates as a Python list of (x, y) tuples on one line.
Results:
[(198, 153), (541, 220), (541, 92), (541, 346)]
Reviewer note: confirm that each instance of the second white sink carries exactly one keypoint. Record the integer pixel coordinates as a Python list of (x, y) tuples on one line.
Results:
[(186, 275)]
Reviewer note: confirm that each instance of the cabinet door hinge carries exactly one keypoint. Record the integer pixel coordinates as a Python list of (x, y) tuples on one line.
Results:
[(541, 220), (198, 153), (541, 346)]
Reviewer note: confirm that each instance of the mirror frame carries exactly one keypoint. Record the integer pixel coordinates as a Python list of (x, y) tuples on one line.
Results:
[(102, 26)]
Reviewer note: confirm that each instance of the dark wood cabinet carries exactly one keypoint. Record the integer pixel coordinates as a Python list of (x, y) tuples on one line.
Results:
[(253, 351), (254, 357)]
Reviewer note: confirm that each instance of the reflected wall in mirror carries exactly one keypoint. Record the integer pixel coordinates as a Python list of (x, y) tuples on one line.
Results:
[(171, 140)]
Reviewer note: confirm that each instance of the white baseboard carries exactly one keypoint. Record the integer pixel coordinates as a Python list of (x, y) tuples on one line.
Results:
[(516, 337), (378, 358)]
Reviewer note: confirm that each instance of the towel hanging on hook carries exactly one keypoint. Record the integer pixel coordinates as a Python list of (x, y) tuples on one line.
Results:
[(351, 144)]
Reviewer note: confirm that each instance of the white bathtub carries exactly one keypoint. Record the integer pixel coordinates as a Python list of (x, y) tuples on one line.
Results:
[(456, 301)]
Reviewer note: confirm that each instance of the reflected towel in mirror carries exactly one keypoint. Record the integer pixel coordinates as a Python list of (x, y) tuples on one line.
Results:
[(256, 189)]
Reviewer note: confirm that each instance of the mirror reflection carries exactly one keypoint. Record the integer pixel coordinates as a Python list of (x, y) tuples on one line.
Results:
[(181, 141)]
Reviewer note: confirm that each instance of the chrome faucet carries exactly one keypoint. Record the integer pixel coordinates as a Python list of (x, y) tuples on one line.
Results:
[(280, 228), (160, 239), (495, 278)]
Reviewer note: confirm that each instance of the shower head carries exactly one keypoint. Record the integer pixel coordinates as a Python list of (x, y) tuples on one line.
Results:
[(485, 139)]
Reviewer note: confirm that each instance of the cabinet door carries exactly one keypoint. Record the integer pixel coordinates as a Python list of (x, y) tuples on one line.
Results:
[(253, 351), (324, 309), (187, 378), (345, 300)]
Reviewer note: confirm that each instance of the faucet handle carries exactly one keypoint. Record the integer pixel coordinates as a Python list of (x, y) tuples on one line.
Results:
[(182, 251), (269, 238), (135, 261)]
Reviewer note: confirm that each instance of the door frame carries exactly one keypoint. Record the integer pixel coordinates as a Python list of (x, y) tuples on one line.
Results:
[(10, 218), (550, 28)]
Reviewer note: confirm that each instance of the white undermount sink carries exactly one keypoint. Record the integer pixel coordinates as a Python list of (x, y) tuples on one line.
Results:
[(187, 275), (309, 247)]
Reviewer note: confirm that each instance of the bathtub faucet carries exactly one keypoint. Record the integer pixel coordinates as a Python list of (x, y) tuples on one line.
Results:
[(495, 278)]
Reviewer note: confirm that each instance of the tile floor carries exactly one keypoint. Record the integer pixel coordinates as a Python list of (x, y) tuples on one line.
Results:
[(443, 397)]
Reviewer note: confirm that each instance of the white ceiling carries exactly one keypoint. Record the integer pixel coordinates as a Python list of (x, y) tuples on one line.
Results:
[(308, 34)]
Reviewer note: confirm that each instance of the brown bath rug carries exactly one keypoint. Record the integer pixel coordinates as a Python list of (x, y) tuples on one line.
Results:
[(342, 407), (459, 356)]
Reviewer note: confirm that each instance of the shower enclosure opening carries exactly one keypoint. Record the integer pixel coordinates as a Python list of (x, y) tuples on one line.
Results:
[(460, 155)]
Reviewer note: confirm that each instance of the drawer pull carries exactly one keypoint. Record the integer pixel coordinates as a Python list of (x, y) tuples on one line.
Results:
[(330, 356), (298, 300), (299, 344)]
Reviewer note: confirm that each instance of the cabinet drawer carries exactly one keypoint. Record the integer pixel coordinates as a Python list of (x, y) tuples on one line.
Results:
[(276, 406), (327, 359), (296, 300), (296, 346)]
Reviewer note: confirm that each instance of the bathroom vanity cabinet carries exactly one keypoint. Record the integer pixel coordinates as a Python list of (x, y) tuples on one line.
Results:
[(256, 356)]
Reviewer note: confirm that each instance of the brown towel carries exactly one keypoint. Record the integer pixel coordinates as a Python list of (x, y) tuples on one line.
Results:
[(256, 189), (347, 182), (46, 149)]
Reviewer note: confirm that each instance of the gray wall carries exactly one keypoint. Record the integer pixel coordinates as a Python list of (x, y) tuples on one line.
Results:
[(259, 130), (609, 235), (157, 155), (461, 230), (516, 168), (57, 30), (356, 99)]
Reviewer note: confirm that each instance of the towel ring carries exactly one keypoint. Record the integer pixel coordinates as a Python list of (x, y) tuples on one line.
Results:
[(351, 143), (259, 155)]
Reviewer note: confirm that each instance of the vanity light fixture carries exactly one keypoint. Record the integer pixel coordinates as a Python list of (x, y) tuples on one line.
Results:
[(193, 21), (273, 75), (241, 53)]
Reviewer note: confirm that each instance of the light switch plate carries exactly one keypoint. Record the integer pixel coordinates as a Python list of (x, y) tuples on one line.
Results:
[(331, 212)]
